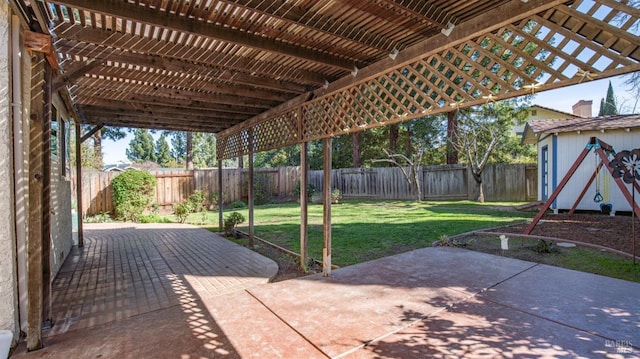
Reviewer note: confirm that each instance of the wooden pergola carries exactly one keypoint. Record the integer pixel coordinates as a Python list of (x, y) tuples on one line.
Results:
[(269, 74)]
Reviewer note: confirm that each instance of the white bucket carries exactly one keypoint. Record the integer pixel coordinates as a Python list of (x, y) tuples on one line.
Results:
[(6, 336)]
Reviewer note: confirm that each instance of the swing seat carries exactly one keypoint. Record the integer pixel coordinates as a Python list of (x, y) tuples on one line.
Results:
[(606, 208)]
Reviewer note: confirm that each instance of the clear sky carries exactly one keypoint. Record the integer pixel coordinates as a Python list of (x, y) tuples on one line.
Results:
[(561, 99)]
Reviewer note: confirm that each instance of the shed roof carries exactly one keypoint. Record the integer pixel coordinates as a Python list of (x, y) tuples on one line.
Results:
[(535, 128)]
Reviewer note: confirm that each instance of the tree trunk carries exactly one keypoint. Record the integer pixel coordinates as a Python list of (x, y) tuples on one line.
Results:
[(356, 144), (97, 149), (416, 182), (408, 144), (240, 161), (452, 133), (393, 137), (477, 177), (189, 151)]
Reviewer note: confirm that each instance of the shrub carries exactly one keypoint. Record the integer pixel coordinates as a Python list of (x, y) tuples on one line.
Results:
[(335, 195), (193, 204), (153, 218), (103, 217), (238, 205), (132, 193), (231, 221)]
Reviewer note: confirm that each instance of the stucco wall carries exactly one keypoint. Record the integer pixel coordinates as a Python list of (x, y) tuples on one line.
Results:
[(8, 275)]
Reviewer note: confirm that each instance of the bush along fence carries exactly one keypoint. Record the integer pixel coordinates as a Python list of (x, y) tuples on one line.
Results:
[(502, 182)]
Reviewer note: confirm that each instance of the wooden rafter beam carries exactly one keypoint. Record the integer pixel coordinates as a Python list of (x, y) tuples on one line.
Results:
[(160, 112), (191, 107), (98, 86), (413, 11), (157, 124), (288, 80), (92, 132), (426, 9), (137, 13), (73, 74), (305, 16), (116, 76)]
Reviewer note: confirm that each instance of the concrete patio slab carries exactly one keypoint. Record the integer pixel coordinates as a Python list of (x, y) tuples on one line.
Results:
[(432, 302), (481, 329), (604, 306), (364, 302)]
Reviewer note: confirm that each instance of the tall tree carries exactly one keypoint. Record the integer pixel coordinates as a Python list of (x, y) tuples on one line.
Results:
[(178, 145), (356, 148), (608, 105), (141, 147), (163, 153), (204, 152), (189, 151)]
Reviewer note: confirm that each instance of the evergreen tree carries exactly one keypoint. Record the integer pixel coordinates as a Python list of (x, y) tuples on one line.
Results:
[(608, 105), (204, 150), (163, 155), (141, 147), (178, 145)]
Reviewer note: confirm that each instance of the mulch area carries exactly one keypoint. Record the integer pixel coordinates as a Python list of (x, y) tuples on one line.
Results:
[(612, 232)]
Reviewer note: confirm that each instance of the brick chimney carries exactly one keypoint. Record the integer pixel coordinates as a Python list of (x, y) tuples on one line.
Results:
[(583, 108)]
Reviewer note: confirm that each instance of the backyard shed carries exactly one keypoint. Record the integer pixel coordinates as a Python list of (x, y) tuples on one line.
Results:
[(559, 143)]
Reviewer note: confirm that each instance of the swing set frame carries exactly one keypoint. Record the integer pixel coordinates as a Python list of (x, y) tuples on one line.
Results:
[(601, 148)]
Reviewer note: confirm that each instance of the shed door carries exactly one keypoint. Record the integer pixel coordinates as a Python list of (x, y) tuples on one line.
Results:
[(545, 172)]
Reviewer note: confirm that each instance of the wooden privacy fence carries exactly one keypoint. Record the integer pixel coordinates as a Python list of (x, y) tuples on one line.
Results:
[(177, 185), (502, 182)]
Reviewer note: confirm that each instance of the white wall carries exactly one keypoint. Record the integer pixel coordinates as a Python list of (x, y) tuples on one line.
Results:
[(570, 145)]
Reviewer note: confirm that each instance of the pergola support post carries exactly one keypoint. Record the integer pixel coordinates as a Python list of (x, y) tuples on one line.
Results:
[(250, 191), (35, 286), (326, 195), (46, 199), (220, 199), (79, 183), (304, 202)]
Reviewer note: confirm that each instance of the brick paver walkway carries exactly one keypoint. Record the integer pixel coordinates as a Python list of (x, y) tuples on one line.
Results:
[(126, 270)]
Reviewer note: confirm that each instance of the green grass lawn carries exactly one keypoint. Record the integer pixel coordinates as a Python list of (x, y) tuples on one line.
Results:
[(366, 230)]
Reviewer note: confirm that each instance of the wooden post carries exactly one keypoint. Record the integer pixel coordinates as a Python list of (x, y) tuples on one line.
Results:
[(220, 199), (326, 195), (46, 200), (79, 183), (250, 191), (34, 240), (304, 199)]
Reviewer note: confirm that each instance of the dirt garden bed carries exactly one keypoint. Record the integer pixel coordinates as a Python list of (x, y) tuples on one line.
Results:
[(604, 230)]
